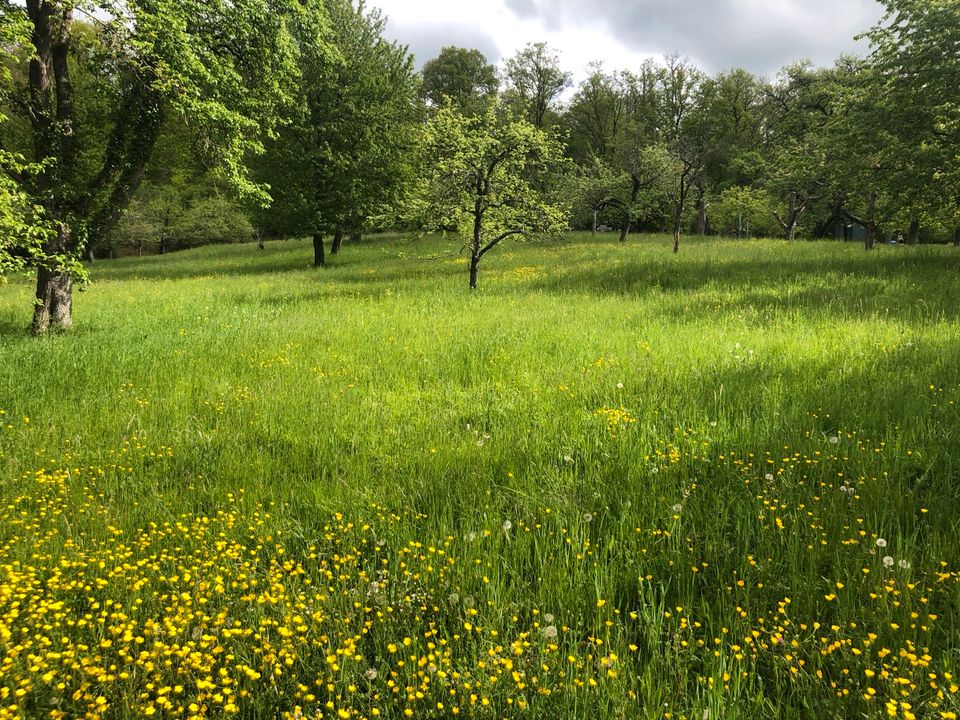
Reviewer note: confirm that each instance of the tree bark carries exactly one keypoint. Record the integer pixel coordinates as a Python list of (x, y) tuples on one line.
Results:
[(796, 211), (677, 223), (871, 221), (319, 259), (54, 308), (701, 212), (914, 234), (956, 237), (337, 241), (91, 257), (474, 270), (595, 214), (625, 229)]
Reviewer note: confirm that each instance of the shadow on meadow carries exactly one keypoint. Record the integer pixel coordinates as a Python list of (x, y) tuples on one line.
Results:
[(900, 280)]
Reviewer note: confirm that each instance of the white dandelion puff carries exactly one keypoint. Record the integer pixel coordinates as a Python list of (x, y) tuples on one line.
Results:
[(888, 561)]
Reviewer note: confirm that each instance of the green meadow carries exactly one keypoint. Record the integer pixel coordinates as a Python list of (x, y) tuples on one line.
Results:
[(610, 483)]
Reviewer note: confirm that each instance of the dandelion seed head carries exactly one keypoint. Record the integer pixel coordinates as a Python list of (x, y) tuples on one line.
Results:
[(550, 632), (888, 561), (881, 543)]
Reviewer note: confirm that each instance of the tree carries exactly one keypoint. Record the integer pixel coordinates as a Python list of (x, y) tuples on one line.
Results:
[(480, 178), (464, 76), (743, 212), (683, 123), (225, 67), (24, 226), (347, 153), (595, 116), (594, 188), (917, 68), (636, 147), (536, 80)]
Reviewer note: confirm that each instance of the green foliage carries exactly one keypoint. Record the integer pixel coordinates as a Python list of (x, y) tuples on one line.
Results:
[(915, 88), (460, 76), (536, 81), (92, 109), (744, 211), (346, 158), (163, 218), (483, 178)]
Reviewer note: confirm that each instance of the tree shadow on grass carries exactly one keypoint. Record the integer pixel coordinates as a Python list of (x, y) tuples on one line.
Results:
[(918, 285)]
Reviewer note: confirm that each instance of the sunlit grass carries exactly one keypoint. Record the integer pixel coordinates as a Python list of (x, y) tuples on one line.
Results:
[(610, 483)]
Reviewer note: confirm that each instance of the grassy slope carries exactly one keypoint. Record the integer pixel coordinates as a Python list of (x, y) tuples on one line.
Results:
[(608, 383)]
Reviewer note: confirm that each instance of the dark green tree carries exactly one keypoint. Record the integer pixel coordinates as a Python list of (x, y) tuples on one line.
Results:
[(463, 76)]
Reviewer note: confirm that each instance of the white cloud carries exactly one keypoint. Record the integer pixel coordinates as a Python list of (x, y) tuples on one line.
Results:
[(761, 35)]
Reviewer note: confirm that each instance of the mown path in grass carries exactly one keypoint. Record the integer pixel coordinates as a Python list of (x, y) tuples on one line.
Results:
[(612, 482)]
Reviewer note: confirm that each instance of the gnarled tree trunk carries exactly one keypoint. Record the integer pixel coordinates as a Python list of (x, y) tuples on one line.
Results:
[(54, 308)]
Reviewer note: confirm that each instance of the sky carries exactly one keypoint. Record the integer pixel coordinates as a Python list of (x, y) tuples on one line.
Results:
[(759, 35)]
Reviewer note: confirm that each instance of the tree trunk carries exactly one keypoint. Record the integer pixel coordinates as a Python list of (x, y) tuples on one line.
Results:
[(54, 304), (956, 237), (54, 309), (474, 270), (677, 223), (337, 241), (595, 214), (91, 258), (871, 221), (701, 213), (625, 229), (914, 233), (791, 232), (319, 259)]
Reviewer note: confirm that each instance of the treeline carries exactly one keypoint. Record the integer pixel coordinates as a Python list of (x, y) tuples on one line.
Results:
[(146, 127)]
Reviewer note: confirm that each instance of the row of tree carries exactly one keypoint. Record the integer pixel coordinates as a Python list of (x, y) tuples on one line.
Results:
[(165, 124)]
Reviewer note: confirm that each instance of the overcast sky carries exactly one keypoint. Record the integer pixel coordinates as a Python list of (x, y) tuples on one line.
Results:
[(760, 35)]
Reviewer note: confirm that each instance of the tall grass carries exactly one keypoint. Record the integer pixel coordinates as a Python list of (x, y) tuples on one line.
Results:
[(730, 478)]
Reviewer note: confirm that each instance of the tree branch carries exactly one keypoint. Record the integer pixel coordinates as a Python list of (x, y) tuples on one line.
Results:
[(503, 236)]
